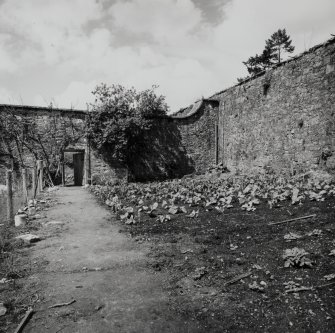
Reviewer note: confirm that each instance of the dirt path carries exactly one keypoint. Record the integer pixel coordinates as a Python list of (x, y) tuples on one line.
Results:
[(90, 261)]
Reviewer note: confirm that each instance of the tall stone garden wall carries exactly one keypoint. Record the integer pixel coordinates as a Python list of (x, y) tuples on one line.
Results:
[(283, 119)]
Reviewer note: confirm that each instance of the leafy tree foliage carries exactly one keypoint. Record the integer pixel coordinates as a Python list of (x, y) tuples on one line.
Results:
[(120, 117), (275, 46)]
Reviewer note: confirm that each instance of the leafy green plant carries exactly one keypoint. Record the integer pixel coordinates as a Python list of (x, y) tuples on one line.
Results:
[(119, 118), (190, 196), (296, 258)]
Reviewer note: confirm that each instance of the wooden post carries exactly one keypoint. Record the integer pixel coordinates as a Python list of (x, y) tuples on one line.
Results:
[(63, 169), (40, 174), (87, 163), (10, 209), (35, 182), (24, 185)]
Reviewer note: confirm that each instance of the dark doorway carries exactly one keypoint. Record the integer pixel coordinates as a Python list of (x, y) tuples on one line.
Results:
[(78, 169), (73, 167)]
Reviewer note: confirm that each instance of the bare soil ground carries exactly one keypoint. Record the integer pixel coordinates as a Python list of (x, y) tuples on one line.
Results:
[(86, 259), (203, 254), (172, 276)]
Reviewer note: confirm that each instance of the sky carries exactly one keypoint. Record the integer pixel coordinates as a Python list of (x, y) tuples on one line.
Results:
[(58, 51)]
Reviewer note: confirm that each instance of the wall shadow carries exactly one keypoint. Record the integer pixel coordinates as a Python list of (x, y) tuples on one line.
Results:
[(160, 154)]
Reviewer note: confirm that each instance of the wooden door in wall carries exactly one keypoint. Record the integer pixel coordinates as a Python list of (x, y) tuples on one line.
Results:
[(78, 169)]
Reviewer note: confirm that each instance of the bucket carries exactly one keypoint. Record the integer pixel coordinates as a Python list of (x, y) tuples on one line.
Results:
[(20, 220)]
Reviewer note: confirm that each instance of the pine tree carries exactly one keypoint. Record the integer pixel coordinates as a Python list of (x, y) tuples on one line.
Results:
[(259, 63), (278, 43), (275, 46)]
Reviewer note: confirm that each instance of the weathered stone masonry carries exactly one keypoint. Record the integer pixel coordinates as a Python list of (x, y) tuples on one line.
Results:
[(178, 145), (198, 131), (94, 166), (282, 119)]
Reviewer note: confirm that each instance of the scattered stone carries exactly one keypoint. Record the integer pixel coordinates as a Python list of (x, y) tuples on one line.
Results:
[(56, 223), (98, 307), (292, 236), (263, 283), (310, 311), (210, 291), (51, 189), (29, 238), (199, 273), (186, 251), (256, 266), (3, 309), (185, 283), (315, 232), (233, 247), (3, 188), (32, 210), (32, 203), (36, 217)]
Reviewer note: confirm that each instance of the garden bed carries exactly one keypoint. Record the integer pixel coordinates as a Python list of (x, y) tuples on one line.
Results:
[(226, 262)]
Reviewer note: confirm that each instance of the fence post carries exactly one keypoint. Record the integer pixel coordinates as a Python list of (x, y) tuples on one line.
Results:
[(35, 182), (24, 185), (63, 169), (40, 175), (87, 163), (10, 209)]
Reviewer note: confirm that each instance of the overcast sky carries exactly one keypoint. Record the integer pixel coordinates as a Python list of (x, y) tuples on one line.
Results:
[(58, 50)]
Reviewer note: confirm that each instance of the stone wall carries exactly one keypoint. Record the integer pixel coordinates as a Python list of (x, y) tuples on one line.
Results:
[(102, 172), (55, 124), (283, 119), (178, 145), (198, 134), (161, 154)]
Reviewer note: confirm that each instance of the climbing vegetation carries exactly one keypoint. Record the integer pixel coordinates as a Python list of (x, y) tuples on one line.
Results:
[(120, 117)]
